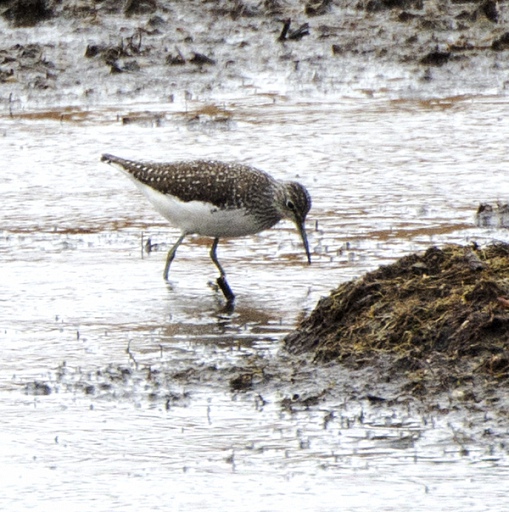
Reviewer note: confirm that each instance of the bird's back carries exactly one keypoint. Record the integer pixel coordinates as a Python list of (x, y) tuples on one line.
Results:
[(225, 185)]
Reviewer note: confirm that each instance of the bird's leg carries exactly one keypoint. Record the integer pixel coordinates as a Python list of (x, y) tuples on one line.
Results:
[(171, 256), (213, 255), (221, 281)]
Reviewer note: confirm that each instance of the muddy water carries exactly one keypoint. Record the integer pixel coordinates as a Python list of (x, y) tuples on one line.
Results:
[(118, 391)]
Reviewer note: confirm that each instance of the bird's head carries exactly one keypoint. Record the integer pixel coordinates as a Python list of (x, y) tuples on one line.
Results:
[(296, 205)]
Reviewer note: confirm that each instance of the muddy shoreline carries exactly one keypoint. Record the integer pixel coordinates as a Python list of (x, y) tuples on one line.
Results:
[(55, 57), (96, 52), (127, 392)]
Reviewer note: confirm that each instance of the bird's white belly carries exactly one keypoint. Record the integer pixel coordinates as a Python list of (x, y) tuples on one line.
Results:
[(197, 217)]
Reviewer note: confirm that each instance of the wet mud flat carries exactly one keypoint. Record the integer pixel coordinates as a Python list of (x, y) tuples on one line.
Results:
[(122, 390), (106, 50)]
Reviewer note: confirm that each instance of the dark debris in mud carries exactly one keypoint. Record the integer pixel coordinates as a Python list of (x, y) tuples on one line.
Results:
[(166, 382), (38, 388), (116, 382), (147, 38), (26, 13), (492, 215), (28, 60), (434, 321), (120, 57)]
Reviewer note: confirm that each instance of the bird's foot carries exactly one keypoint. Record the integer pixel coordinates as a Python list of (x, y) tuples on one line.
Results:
[(227, 291), (169, 284)]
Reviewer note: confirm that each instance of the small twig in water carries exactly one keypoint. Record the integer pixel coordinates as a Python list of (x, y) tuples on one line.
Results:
[(130, 354)]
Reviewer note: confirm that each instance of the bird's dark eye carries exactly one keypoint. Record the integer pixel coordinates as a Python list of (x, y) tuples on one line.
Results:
[(290, 205)]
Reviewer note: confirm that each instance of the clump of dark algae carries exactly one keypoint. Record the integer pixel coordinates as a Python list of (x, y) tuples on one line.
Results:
[(438, 321)]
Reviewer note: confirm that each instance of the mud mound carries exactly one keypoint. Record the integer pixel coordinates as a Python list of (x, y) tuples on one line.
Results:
[(441, 317)]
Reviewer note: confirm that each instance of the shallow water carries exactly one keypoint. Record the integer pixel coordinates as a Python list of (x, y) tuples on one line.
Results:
[(141, 410)]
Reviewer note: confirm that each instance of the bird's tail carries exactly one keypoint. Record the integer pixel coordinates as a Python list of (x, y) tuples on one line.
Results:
[(127, 166), (110, 159)]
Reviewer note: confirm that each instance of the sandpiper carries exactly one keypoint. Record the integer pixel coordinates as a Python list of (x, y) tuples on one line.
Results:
[(218, 200)]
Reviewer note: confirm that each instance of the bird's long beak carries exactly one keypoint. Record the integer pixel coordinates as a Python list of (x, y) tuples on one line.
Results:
[(302, 231)]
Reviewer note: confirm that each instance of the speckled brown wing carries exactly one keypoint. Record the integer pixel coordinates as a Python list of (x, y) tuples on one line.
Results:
[(225, 185)]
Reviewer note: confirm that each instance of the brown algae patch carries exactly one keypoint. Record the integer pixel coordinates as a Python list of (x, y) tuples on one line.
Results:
[(440, 318)]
